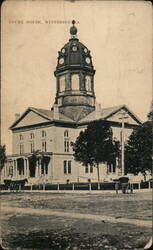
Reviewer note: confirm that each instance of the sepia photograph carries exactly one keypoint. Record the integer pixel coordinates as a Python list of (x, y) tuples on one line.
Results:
[(76, 125)]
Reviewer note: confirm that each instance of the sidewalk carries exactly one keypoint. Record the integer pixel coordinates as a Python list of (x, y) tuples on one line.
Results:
[(98, 218), (78, 191)]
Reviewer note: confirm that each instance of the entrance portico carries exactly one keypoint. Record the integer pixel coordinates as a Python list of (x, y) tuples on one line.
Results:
[(20, 167)]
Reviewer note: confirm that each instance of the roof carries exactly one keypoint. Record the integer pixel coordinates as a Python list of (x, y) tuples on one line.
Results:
[(45, 113), (74, 55), (105, 113)]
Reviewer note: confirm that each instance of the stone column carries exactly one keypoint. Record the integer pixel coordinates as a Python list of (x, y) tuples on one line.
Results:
[(27, 168), (18, 176), (117, 166), (36, 171), (39, 169), (111, 168), (16, 169), (4, 170)]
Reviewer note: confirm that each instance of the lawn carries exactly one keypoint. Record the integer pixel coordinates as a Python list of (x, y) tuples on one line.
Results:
[(39, 231)]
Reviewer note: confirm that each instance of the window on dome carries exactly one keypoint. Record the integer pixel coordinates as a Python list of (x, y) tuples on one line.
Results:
[(62, 83), (88, 83), (75, 82)]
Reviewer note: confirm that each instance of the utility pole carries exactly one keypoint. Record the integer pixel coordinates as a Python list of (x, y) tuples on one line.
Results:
[(123, 117)]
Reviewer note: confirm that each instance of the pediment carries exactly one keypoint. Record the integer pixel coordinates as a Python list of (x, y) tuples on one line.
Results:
[(29, 118), (128, 117)]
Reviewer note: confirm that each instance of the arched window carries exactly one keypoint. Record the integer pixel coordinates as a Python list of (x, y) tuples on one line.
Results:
[(62, 83), (31, 135), (43, 133), (75, 82), (66, 133), (88, 83), (21, 137)]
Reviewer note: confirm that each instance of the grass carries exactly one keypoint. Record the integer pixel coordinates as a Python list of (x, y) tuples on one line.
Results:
[(51, 232)]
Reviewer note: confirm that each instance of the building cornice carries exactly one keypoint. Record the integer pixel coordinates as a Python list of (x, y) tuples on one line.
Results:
[(70, 124)]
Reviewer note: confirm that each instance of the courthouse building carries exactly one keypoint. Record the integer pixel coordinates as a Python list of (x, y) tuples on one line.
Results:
[(52, 132)]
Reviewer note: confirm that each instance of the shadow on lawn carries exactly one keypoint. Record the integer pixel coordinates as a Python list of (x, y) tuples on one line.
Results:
[(67, 240)]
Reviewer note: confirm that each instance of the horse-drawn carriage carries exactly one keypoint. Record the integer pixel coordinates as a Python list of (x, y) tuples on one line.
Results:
[(14, 184)]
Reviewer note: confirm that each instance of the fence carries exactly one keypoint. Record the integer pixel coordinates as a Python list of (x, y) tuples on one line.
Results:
[(76, 186)]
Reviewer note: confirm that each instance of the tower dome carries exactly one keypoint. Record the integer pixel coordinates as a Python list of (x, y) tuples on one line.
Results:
[(74, 55), (75, 78)]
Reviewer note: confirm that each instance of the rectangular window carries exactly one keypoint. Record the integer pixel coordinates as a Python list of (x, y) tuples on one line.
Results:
[(86, 169), (44, 147), (31, 146), (62, 83), (110, 168), (42, 169), (66, 146), (21, 148), (91, 169), (67, 167), (46, 169), (114, 168), (11, 171)]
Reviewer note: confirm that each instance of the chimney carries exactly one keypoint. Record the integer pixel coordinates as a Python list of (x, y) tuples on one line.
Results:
[(55, 112), (17, 115)]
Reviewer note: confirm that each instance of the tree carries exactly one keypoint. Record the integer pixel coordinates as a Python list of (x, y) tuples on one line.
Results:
[(2, 156), (150, 114), (33, 159), (138, 151), (38, 156), (95, 145)]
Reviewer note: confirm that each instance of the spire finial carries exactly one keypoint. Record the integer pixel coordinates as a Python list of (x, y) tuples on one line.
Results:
[(73, 29)]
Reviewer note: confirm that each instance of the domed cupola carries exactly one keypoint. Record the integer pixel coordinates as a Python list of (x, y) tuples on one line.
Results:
[(74, 55), (75, 78)]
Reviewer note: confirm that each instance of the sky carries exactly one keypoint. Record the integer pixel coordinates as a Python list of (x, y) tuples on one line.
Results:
[(118, 34)]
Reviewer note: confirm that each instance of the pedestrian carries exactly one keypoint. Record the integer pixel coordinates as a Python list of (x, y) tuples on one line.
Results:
[(116, 187)]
